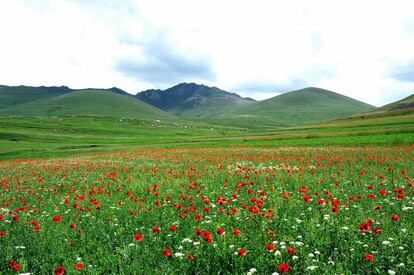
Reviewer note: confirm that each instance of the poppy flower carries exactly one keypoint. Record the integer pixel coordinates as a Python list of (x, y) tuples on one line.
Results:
[(270, 247), (138, 237), (155, 229), (3, 233), (72, 225), (79, 266), (236, 231), (241, 252), (395, 217), (166, 252), (369, 257), (290, 250), (57, 219), (220, 231), (190, 257), (364, 227), (377, 230), (59, 270), (173, 227), (283, 268)]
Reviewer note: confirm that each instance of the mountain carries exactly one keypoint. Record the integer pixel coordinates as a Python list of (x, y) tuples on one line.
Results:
[(190, 100), (405, 103), (87, 102), (296, 107), (13, 95)]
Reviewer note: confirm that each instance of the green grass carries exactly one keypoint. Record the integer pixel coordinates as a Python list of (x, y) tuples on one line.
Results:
[(43, 137), (88, 102), (297, 107)]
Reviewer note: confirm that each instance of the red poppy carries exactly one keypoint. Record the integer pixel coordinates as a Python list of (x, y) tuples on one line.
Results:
[(173, 227), (283, 268), (15, 218), (364, 227), (395, 217), (15, 267), (166, 252), (290, 250), (377, 230), (236, 231), (155, 229), (59, 270), (220, 231), (57, 219), (369, 257), (138, 237), (79, 266), (241, 252), (190, 257), (3, 233), (72, 225), (306, 198), (270, 247)]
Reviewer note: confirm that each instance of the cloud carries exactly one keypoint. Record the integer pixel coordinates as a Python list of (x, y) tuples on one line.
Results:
[(262, 87), (159, 62)]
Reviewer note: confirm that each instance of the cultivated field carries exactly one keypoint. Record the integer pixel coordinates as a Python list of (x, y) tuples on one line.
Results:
[(231, 210)]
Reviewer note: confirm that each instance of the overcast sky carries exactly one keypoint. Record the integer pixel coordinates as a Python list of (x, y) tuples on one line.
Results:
[(258, 48)]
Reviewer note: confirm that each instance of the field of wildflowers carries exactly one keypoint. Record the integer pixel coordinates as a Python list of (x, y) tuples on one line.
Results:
[(216, 210)]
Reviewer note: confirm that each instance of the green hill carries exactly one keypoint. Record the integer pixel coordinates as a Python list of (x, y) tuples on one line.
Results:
[(405, 103), (297, 107), (190, 100), (87, 102), (13, 95)]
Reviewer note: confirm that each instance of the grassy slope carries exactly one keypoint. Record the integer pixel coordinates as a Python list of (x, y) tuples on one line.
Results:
[(34, 137), (403, 103), (88, 102), (297, 107), (13, 95)]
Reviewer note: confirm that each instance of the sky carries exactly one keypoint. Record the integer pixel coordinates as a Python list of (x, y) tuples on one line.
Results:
[(257, 48)]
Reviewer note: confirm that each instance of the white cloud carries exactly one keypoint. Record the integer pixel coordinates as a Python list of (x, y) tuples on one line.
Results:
[(351, 47)]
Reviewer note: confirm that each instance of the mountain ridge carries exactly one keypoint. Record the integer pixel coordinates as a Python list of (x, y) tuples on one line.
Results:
[(191, 100)]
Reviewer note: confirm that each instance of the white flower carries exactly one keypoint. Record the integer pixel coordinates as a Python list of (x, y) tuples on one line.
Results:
[(196, 243), (131, 244), (311, 255), (401, 265), (391, 272), (178, 254), (277, 253), (401, 248), (386, 242), (295, 257), (253, 270), (312, 267)]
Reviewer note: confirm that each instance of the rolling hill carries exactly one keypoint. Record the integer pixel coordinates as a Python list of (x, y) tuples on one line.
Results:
[(190, 100), (13, 95), (404, 103), (88, 102), (292, 108)]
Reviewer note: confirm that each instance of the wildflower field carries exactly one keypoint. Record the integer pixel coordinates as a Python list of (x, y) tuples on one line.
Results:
[(227, 210)]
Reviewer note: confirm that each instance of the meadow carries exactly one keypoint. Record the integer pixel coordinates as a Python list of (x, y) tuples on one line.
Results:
[(238, 210)]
